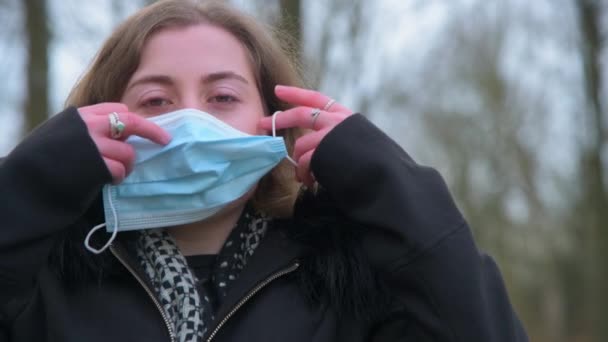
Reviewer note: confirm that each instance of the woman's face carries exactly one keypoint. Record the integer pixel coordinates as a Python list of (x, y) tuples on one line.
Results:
[(202, 67)]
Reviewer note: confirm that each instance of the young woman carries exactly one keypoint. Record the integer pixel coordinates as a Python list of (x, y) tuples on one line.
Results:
[(209, 234)]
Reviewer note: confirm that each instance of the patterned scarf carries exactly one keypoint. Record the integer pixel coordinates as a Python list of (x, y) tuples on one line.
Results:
[(176, 285)]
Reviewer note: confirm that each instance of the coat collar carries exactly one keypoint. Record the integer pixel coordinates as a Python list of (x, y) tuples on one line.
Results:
[(275, 254)]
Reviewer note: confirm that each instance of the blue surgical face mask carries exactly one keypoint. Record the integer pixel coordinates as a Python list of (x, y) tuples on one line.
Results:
[(206, 166)]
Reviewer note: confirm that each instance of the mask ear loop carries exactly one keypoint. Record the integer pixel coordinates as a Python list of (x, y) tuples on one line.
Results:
[(87, 244), (274, 134)]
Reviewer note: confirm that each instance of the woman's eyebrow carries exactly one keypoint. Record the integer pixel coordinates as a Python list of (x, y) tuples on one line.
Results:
[(221, 75), (158, 79), (207, 79)]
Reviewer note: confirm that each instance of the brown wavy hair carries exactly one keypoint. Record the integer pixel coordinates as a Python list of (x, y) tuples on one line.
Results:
[(271, 56)]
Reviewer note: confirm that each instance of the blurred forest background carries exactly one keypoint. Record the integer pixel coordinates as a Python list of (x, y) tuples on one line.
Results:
[(504, 97)]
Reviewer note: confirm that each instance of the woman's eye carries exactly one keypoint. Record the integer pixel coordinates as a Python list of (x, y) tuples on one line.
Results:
[(223, 99), (156, 102)]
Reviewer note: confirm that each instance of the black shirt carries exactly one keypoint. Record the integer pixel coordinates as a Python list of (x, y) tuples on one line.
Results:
[(203, 267)]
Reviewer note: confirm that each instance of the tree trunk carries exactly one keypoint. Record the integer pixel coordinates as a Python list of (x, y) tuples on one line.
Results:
[(36, 104), (595, 196)]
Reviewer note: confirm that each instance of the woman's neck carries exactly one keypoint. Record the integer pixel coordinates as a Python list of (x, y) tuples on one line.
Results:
[(207, 236)]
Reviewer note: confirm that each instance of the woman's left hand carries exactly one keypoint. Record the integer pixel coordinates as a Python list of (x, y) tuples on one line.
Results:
[(314, 111)]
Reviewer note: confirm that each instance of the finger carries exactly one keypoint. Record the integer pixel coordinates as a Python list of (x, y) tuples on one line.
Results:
[(104, 108), (302, 117), (116, 169), (139, 126), (309, 98), (96, 117), (118, 151), (303, 170), (98, 125), (134, 125), (308, 142)]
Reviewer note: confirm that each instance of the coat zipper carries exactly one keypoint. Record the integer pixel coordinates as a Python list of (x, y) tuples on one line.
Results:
[(250, 294), (148, 291)]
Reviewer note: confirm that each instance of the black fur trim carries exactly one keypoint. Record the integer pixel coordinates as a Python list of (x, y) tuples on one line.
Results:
[(74, 264), (335, 267)]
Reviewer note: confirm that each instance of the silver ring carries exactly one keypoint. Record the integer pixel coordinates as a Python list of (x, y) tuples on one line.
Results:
[(117, 127), (329, 104), (314, 115)]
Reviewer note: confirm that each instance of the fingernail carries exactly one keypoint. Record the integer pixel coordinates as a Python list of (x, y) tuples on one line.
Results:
[(279, 87)]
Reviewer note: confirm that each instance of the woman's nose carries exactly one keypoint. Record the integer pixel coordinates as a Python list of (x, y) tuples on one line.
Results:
[(192, 102)]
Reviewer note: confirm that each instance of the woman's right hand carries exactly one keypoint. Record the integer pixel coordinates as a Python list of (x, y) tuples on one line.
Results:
[(117, 154)]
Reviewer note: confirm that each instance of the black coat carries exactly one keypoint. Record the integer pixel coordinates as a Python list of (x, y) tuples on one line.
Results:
[(380, 253)]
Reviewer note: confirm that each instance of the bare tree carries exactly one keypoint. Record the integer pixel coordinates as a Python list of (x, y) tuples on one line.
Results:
[(480, 122), (36, 104), (594, 197)]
